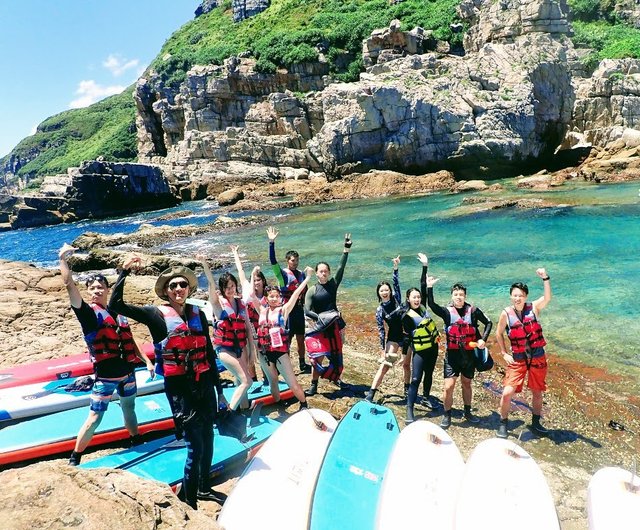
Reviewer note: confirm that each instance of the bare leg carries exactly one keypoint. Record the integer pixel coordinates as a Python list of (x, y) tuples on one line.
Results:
[(129, 414), (505, 401), (87, 430), (467, 391), (449, 385), (285, 368), (239, 370)]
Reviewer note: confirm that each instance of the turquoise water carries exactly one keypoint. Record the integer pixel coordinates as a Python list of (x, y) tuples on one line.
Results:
[(590, 251)]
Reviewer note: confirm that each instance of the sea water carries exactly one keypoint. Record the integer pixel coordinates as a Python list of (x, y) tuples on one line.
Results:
[(589, 243)]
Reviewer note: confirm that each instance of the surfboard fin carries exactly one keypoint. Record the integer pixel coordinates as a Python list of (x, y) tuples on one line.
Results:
[(255, 415)]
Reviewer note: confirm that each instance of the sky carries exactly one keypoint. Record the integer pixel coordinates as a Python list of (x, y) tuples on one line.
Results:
[(61, 54)]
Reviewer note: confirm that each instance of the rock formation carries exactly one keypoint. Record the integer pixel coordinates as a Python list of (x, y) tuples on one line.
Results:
[(94, 190)]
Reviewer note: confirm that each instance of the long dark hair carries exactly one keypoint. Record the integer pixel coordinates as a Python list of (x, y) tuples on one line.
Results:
[(224, 280), (383, 282)]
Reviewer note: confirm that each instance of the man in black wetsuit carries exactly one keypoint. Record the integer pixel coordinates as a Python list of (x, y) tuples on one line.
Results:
[(463, 335), (185, 355), (112, 350)]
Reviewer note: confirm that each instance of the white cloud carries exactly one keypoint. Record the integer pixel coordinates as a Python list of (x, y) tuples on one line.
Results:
[(118, 65), (89, 92)]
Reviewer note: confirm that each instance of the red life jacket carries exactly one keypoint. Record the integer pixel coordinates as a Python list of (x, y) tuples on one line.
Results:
[(254, 315), (266, 324), (292, 284), (113, 338), (523, 332), (184, 350), (461, 331), (231, 331)]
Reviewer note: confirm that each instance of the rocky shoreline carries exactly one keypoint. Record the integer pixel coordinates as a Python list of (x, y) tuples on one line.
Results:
[(580, 403)]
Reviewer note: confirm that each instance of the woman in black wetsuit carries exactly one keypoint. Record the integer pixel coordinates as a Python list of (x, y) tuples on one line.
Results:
[(325, 338), (421, 334), (185, 356)]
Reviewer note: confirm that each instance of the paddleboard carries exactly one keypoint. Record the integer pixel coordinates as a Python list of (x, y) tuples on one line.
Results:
[(421, 480), (350, 479), (61, 368), (500, 473), (53, 396), (163, 459), (287, 463), (613, 499), (56, 433)]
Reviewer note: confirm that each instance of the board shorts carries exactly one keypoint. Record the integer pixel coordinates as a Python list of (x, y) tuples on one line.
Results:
[(296, 321), (457, 362), (516, 373), (103, 389)]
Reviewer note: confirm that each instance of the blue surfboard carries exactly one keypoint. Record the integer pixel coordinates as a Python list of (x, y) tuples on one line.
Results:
[(56, 433), (350, 479), (164, 459)]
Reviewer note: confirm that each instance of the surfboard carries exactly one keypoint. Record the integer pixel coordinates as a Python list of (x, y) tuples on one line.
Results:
[(56, 433), (53, 396), (163, 459), (61, 368), (287, 463), (421, 480), (501, 473), (350, 479), (613, 499)]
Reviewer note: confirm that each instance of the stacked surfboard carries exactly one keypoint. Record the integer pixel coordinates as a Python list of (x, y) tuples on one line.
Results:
[(613, 499)]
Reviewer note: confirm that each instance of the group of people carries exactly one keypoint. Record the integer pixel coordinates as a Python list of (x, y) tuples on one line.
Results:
[(254, 322), (409, 336)]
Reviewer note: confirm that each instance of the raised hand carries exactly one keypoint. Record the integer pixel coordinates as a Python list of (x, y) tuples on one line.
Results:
[(423, 259), (308, 271), (431, 281), (347, 240), (542, 272), (234, 249), (65, 251), (396, 262), (132, 262), (272, 233)]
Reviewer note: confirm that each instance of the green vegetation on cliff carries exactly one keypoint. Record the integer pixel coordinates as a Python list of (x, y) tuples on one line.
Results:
[(288, 32)]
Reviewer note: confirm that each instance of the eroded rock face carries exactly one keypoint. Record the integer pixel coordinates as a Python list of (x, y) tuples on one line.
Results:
[(506, 104), (243, 9)]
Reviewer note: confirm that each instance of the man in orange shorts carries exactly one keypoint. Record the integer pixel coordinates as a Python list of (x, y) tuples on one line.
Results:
[(520, 320)]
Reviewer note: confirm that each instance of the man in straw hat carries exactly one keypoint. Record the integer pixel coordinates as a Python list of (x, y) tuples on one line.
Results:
[(184, 353), (113, 352)]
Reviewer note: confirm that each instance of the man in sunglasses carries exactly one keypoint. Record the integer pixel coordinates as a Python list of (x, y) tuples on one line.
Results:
[(185, 356), (112, 350)]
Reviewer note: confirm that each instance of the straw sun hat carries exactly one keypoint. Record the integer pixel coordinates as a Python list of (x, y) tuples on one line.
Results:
[(174, 272)]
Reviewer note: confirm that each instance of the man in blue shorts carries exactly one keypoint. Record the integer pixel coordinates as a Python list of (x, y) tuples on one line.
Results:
[(112, 350)]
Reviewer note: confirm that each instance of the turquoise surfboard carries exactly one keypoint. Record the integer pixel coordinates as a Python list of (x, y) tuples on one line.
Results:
[(350, 479), (56, 433), (164, 459)]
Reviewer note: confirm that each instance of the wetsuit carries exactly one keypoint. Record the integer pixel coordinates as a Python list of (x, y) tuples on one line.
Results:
[(288, 280), (322, 298), (391, 313), (424, 361), (193, 400), (459, 360)]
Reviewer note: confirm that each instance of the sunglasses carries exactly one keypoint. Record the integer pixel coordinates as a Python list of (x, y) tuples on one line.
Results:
[(174, 285), (96, 278)]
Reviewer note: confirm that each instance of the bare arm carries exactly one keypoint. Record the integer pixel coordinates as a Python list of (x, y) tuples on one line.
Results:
[(500, 329), (214, 300), (542, 302), (145, 359), (242, 277), (286, 309), (74, 294)]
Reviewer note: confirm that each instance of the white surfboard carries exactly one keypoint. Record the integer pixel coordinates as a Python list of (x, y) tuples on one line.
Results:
[(502, 488), (52, 396), (613, 499), (421, 480), (284, 470)]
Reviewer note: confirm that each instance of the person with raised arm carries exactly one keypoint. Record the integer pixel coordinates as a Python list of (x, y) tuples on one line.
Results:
[(230, 331), (273, 338), (185, 356), (389, 321), (324, 338), (461, 325), (421, 334), (113, 352), (256, 287), (527, 356), (288, 279)]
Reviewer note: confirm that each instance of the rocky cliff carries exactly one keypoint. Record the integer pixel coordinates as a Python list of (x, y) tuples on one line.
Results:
[(503, 106), (94, 190)]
